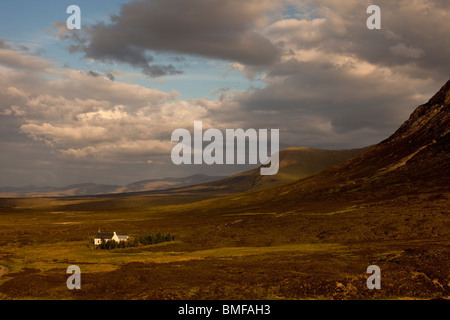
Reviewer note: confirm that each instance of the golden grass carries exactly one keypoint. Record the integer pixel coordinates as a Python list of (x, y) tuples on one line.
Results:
[(49, 256)]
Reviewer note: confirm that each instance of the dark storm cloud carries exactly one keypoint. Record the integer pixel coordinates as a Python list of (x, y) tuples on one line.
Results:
[(210, 28), (108, 50)]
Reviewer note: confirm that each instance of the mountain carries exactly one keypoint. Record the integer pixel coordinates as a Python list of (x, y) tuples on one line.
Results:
[(85, 189), (295, 163), (71, 190), (414, 162), (166, 183)]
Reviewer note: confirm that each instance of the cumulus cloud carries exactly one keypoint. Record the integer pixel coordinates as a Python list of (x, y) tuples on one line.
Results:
[(18, 60), (87, 116), (217, 29), (414, 38)]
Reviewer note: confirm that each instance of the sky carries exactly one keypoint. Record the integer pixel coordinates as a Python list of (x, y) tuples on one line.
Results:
[(99, 104)]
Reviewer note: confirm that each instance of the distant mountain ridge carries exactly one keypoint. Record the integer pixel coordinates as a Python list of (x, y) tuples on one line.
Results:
[(295, 163), (71, 190), (166, 183), (84, 189)]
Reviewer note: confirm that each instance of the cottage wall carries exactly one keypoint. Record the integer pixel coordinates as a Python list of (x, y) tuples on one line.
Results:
[(115, 237)]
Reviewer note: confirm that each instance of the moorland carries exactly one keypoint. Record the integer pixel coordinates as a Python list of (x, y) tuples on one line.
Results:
[(312, 238)]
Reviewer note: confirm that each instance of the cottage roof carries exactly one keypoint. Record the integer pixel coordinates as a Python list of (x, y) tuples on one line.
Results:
[(105, 235)]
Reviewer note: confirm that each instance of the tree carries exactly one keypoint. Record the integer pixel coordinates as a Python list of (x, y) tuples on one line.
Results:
[(103, 244)]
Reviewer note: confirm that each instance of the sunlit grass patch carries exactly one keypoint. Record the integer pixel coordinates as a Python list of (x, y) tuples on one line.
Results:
[(49, 256)]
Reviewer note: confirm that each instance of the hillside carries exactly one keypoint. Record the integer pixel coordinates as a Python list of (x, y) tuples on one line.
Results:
[(413, 161), (166, 183), (295, 163)]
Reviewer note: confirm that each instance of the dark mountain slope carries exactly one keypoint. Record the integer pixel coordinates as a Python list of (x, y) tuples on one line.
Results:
[(414, 162), (295, 163)]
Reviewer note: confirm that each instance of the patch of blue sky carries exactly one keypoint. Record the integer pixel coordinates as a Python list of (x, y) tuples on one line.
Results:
[(300, 11), (201, 78), (24, 20), (207, 83), (28, 24)]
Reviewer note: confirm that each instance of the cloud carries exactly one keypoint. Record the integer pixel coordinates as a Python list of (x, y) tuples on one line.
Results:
[(225, 30), (337, 81), (4, 45), (110, 76), (96, 74), (414, 38), (344, 94), (113, 152), (18, 60), (128, 53), (156, 71), (85, 115), (408, 52)]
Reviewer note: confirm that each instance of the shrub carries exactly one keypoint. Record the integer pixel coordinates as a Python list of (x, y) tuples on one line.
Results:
[(134, 242), (155, 238)]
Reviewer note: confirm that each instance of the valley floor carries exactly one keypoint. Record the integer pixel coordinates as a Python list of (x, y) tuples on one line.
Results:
[(220, 254)]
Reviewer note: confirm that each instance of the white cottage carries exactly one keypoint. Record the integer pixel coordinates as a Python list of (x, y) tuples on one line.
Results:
[(108, 236)]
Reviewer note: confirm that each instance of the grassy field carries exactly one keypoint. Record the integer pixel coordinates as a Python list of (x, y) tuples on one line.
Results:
[(223, 252)]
